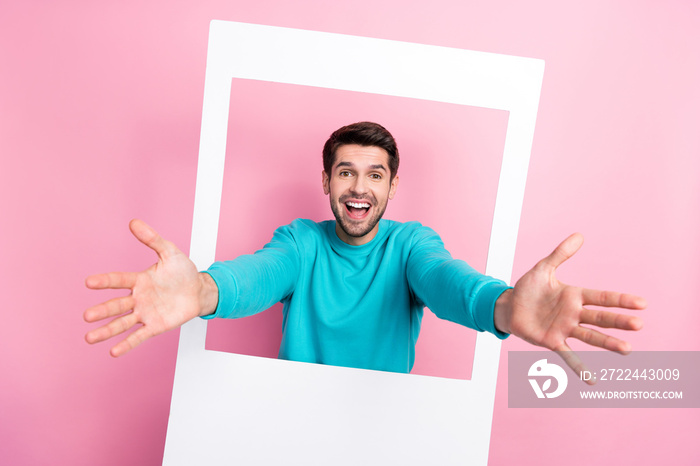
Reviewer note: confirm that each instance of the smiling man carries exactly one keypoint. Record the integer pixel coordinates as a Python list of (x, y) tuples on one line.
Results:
[(354, 288), (359, 174)]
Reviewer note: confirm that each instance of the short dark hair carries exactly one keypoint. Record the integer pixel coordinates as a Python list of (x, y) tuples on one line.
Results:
[(364, 133)]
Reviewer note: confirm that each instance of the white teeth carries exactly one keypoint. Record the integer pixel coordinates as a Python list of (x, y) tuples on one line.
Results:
[(358, 205)]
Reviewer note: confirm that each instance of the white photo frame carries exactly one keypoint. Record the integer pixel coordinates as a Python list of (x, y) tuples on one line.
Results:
[(235, 409)]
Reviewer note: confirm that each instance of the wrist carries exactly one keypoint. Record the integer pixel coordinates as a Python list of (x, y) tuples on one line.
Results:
[(208, 295), (503, 310)]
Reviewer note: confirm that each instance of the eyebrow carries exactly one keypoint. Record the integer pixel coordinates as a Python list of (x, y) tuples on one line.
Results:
[(378, 166)]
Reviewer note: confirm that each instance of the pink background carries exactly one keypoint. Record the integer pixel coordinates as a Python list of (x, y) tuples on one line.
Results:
[(100, 110)]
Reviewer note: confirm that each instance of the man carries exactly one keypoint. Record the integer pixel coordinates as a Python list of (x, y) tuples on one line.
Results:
[(354, 289)]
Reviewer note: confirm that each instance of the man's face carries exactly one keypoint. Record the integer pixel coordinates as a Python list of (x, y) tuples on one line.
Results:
[(360, 188)]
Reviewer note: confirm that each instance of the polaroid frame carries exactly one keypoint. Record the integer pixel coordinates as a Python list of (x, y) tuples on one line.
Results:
[(235, 409)]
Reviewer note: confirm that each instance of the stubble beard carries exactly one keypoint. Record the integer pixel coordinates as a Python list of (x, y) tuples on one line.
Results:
[(360, 228)]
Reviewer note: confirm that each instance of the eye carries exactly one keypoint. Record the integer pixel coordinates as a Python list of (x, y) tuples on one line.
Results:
[(344, 174), (376, 176)]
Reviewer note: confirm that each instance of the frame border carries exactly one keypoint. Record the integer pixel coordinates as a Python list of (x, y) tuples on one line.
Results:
[(222, 405)]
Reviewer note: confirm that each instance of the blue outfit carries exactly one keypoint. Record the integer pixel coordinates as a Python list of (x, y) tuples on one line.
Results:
[(355, 306)]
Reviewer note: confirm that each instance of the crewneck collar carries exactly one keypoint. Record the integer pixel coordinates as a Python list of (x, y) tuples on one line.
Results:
[(340, 245)]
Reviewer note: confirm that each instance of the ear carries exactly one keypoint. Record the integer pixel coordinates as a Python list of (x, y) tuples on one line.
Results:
[(326, 182), (394, 185)]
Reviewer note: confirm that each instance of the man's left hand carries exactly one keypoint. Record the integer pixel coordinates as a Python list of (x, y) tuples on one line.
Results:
[(545, 312)]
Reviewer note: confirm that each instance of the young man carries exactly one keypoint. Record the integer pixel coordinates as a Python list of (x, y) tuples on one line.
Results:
[(354, 289)]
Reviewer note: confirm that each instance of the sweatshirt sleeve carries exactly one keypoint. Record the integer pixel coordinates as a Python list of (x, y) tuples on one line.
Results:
[(254, 282), (451, 288)]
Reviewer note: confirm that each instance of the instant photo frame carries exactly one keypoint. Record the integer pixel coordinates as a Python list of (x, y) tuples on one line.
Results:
[(235, 409)]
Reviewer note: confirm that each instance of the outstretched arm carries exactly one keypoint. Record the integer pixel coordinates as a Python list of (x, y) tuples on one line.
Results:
[(545, 312), (163, 297)]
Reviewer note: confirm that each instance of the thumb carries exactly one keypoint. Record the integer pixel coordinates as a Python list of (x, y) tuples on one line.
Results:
[(148, 236), (564, 251)]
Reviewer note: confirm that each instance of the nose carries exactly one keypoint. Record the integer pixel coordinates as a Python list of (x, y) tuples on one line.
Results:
[(360, 185)]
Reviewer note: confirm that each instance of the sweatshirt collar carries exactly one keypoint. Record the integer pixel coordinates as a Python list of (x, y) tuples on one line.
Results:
[(341, 246)]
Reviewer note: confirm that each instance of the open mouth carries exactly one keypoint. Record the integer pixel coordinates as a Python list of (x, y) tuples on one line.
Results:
[(357, 209)]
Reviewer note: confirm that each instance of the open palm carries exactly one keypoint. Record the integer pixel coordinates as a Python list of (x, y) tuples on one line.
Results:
[(545, 311), (163, 297)]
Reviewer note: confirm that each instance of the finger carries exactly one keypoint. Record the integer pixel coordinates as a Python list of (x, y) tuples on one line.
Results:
[(148, 236), (607, 319), (132, 341), (596, 338), (564, 251), (114, 328), (613, 299), (573, 361), (111, 308), (114, 280)]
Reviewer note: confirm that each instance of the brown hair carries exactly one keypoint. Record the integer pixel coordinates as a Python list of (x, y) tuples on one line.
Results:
[(364, 133)]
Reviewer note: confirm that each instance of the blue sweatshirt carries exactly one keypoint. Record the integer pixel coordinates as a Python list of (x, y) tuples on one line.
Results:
[(355, 306)]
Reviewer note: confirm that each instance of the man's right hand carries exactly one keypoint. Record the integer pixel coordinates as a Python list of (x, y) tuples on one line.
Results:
[(163, 297)]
